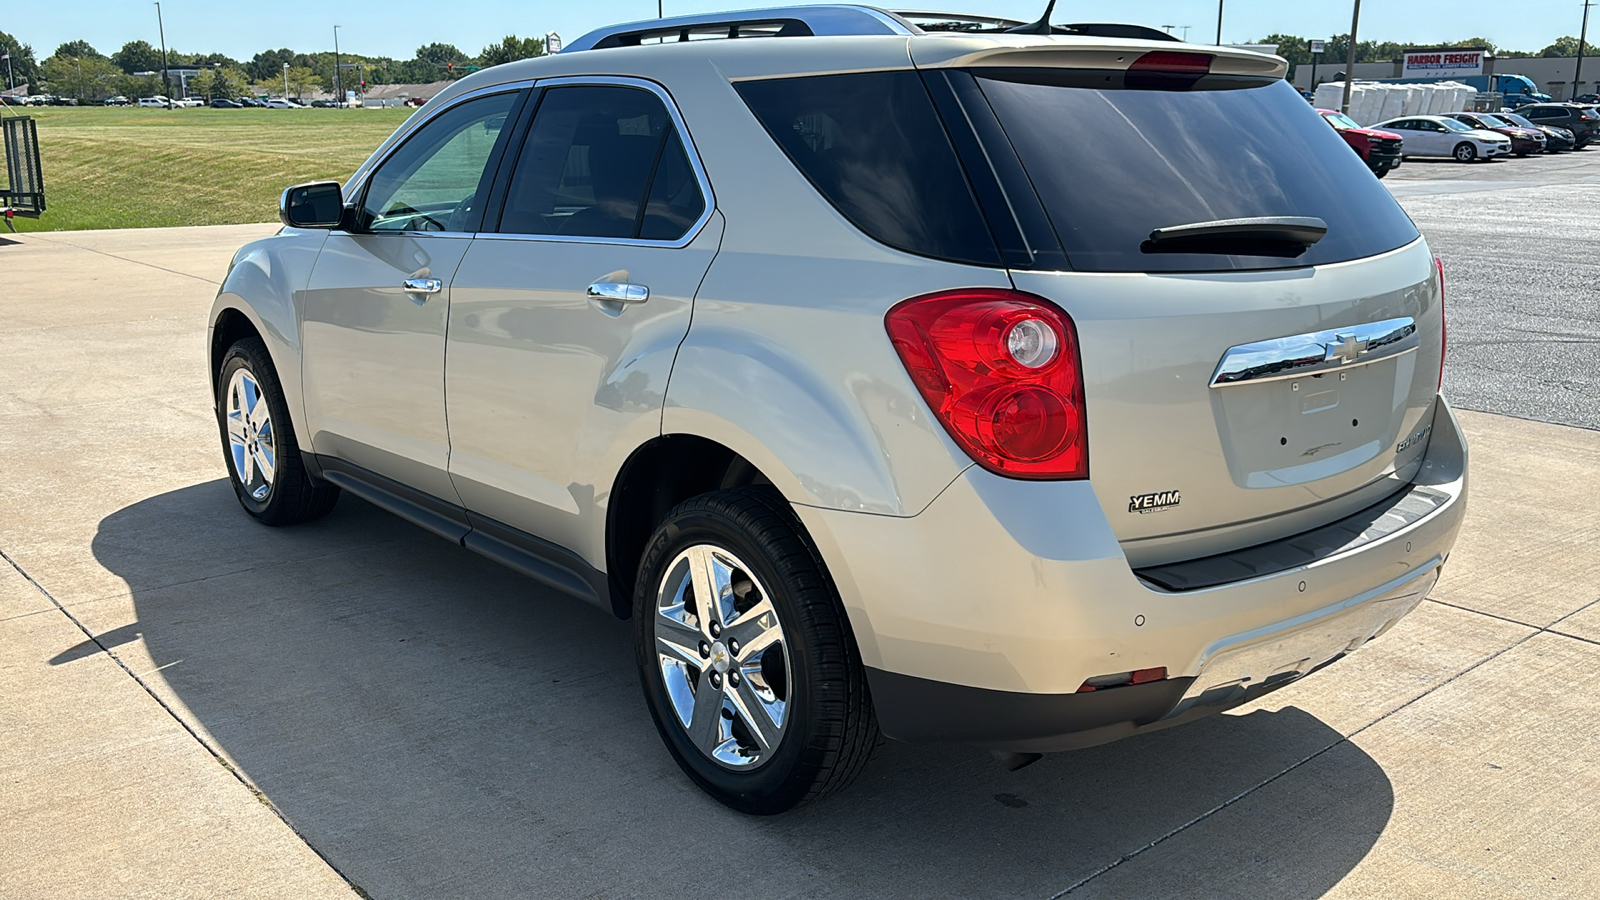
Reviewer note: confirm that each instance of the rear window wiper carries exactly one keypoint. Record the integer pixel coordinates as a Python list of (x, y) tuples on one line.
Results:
[(1285, 236)]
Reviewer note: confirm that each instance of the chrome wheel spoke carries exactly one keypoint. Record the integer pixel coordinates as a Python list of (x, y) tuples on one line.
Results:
[(753, 711), (679, 641), (706, 725), (236, 430), (711, 578), (754, 631), (265, 463)]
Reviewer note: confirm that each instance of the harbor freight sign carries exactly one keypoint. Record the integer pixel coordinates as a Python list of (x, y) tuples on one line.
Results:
[(1430, 63)]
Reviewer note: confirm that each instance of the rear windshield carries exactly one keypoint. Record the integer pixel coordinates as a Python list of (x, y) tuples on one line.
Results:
[(1113, 165)]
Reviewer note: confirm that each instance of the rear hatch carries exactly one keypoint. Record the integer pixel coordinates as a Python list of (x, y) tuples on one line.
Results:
[(1241, 384)]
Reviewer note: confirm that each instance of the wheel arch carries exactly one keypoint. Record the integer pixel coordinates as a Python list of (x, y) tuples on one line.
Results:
[(657, 476)]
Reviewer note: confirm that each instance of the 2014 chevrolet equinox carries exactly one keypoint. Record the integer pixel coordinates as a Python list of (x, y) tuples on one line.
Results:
[(1030, 390)]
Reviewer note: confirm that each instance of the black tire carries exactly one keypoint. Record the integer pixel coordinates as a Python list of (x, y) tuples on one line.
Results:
[(830, 731), (1465, 152), (1381, 172), (293, 496)]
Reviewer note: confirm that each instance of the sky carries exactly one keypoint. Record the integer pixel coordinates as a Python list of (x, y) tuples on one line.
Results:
[(397, 27)]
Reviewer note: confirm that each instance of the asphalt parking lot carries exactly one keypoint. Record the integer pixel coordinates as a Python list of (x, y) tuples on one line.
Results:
[(192, 705)]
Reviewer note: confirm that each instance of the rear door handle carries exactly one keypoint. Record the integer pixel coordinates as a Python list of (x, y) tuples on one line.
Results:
[(619, 292), (423, 285)]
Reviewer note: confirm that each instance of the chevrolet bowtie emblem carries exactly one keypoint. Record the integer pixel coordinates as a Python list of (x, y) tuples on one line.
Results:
[(1345, 348)]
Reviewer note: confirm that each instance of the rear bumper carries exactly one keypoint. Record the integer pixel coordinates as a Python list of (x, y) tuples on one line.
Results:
[(980, 618)]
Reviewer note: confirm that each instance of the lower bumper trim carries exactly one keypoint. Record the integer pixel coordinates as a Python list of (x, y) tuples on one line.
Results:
[(920, 710)]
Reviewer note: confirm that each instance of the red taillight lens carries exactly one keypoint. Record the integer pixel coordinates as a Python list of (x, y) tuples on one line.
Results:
[(1172, 61), (1000, 370), (1438, 265)]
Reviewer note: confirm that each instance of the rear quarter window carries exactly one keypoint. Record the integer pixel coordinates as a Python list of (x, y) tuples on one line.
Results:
[(874, 147)]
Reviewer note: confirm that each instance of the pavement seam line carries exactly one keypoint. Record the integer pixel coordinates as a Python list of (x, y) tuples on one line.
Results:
[(1343, 740), (255, 792), (137, 262), (1548, 628)]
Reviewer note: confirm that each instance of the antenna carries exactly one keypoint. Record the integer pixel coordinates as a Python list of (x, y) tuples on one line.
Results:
[(1040, 27)]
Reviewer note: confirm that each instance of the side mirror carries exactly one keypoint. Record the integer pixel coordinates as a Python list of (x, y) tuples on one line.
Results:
[(319, 204)]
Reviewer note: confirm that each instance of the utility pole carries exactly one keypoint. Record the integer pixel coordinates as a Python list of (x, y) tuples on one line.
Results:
[(1219, 23), (338, 95), (1583, 35), (11, 78), (166, 81), (1350, 59)]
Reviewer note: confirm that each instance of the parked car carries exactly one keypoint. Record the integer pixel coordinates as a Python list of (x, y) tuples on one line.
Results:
[(858, 453), (1445, 137), (324, 104), (1556, 139), (1583, 123), (157, 100), (416, 101), (253, 102), (283, 103), (62, 101), (225, 103), (1380, 150), (189, 103), (1587, 98), (1523, 140), (118, 100)]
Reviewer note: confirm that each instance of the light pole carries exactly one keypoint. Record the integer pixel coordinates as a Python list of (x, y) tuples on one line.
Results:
[(1350, 59), (166, 81), (1583, 35), (338, 95), (286, 82), (10, 78)]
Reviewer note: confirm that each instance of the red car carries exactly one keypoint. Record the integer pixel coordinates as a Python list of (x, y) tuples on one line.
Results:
[(1523, 140), (1379, 149)]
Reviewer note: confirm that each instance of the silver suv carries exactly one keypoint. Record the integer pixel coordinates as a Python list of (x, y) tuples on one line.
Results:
[(900, 377)]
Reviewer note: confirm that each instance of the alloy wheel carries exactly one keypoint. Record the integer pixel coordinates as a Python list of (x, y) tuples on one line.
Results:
[(252, 443), (722, 655)]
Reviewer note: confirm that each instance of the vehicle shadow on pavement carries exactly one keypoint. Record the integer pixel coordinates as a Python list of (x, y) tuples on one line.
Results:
[(435, 725)]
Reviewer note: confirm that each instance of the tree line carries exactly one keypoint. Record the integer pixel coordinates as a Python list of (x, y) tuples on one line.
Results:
[(77, 70)]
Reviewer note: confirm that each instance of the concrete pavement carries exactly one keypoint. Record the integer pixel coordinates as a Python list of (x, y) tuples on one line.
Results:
[(194, 705)]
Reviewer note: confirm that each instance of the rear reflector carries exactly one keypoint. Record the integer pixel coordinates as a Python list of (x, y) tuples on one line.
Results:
[(1123, 679), (1173, 61)]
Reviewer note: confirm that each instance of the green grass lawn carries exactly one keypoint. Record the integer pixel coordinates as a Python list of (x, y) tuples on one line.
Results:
[(144, 168)]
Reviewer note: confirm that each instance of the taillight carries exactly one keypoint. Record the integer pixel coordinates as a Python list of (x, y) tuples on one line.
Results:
[(1000, 370), (1438, 265)]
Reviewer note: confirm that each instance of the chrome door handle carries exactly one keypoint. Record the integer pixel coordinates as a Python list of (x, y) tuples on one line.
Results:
[(423, 285), (619, 292)]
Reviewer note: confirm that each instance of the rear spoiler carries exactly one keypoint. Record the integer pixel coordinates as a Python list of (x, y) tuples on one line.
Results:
[(1072, 52)]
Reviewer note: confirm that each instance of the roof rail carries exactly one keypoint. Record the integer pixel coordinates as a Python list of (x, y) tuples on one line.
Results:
[(823, 21), (784, 21)]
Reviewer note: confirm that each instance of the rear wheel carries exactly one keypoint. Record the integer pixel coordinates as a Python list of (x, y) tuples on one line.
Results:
[(746, 659), (264, 463), (1465, 152)]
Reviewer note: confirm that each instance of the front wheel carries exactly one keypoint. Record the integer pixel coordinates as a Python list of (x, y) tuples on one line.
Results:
[(1465, 152), (1381, 172), (747, 661), (264, 463)]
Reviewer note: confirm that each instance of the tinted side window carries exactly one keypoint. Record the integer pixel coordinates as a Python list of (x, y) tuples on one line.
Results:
[(439, 177), (873, 146), (1112, 165), (593, 158)]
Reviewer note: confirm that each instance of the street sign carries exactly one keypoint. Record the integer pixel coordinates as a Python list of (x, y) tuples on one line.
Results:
[(1318, 46), (552, 43)]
